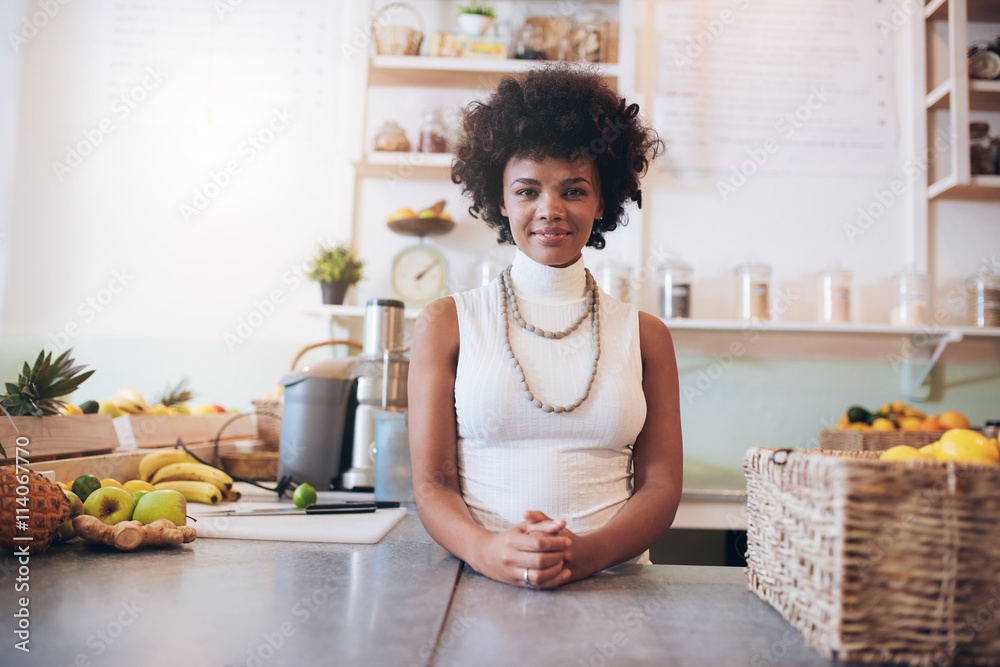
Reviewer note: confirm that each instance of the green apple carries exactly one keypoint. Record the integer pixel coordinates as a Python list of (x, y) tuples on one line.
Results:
[(84, 485), (108, 407), (427, 213), (138, 494), (162, 504), (66, 530), (110, 504)]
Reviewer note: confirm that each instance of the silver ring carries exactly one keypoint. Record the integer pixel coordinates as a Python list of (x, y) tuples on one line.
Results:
[(525, 581)]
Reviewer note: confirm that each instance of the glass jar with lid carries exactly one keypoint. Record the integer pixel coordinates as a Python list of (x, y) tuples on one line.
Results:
[(675, 289), (432, 139), (391, 137), (615, 278), (980, 149), (753, 291), (912, 298), (984, 300), (833, 296)]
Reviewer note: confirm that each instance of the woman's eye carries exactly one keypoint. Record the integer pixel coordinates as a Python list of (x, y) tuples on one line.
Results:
[(575, 192), (526, 192)]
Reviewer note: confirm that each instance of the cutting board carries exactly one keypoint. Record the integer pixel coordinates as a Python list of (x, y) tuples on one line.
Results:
[(366, 528)]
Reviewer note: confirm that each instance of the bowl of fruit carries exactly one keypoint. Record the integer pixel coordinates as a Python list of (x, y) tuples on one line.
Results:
[(431, 221)]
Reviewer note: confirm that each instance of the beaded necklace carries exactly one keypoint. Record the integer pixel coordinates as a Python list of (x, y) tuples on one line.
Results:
[(590, 307)]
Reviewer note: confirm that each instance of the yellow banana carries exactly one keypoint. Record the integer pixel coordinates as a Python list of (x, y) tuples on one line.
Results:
[(194, 492), (232, 495), (198, 472), (153, 461)]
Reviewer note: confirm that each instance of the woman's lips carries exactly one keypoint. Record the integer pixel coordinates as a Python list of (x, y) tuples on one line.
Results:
[(550, 236)]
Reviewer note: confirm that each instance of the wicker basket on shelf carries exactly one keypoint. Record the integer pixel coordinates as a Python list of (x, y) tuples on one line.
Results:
[(269, 410), (878, 562), (396, 40), (873, 441)]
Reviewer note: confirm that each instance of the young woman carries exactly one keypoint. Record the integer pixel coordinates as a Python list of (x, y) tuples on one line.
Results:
[(543, 414)]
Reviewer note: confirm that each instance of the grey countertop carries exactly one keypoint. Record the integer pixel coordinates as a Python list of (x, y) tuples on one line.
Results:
[(404, 601)]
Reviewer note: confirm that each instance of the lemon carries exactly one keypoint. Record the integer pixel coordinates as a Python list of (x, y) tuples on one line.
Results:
[(63, 486), (401, 214), (931, 449), (883, 424), (904, 453), (966, 446), (910, 423), (107, 481), (137, 485)]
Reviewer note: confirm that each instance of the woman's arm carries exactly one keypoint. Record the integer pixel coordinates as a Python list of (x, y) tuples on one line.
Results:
[(658, 463), (433, 451)]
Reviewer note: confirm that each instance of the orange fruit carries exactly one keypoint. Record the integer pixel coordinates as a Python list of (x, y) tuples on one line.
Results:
[(953, 419), (844, 421), (931, 424)]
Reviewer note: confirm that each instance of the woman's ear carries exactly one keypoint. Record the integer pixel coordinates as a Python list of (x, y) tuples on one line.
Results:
[(503, 209), (600, 209)]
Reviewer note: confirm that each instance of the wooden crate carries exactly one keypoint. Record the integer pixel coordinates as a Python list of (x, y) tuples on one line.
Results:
[(59, 436), (143, 431), (873, 441), (878, 562)]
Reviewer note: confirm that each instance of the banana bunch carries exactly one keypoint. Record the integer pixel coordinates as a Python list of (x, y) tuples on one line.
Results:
[(176, 469)]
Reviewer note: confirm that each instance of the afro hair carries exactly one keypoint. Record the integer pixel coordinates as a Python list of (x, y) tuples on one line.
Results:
[(559, 111)]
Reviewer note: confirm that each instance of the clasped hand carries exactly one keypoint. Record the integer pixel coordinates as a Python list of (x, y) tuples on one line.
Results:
[(539, 549)]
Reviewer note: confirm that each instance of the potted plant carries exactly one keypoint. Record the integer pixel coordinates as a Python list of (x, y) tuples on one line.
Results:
[(475, 18), (335, 269)]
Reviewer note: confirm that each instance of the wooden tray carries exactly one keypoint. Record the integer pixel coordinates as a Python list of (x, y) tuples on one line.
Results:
[(139, 431), (58, 436)]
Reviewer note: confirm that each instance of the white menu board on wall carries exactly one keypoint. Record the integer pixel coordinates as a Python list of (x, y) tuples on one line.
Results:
[(802, 86)]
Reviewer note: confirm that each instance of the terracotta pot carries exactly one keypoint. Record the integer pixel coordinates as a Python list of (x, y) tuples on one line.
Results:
[(333, 293)]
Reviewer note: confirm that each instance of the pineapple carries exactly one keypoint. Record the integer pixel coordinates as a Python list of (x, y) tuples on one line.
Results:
[(38, 389), (176, 396), (47, 507)]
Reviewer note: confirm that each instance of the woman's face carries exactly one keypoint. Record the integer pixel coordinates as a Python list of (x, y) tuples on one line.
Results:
[(551, 206)]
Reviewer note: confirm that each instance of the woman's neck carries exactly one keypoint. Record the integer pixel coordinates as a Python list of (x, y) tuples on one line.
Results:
[(546, 284)]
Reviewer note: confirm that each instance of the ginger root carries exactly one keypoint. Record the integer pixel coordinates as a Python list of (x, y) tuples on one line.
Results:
[(129, 535)]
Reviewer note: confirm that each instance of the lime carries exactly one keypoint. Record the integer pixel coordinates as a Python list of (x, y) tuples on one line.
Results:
[(138, 494), (84, 485), (304, 496)]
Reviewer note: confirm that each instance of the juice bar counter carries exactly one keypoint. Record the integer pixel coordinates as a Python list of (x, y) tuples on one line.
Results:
[(404, 601)]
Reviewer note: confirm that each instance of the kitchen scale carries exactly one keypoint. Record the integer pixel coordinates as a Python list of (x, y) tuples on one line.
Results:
[(420, 271)]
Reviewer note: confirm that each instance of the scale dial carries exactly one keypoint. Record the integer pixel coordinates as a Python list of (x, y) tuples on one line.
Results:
[(419, 275)]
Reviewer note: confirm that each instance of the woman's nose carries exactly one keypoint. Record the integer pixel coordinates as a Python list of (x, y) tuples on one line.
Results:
[(550, 208)]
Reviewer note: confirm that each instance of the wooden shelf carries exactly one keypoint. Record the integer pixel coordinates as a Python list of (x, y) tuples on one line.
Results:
[(983, 96), (390, 164), (980, 188), (812, 341), (454, 72), (979, 11)]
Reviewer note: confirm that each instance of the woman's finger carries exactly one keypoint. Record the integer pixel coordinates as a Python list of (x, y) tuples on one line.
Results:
[(539, 542), (541, 577)]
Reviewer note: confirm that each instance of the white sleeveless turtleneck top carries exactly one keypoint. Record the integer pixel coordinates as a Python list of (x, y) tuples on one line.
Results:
[(512, 456)]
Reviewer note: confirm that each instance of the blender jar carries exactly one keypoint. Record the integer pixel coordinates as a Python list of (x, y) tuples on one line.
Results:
[(753, 287), (675, 290)]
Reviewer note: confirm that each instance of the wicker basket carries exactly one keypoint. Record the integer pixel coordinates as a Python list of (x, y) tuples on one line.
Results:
[(878, 562), (269, 410), (396, 40), (873, 441)]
